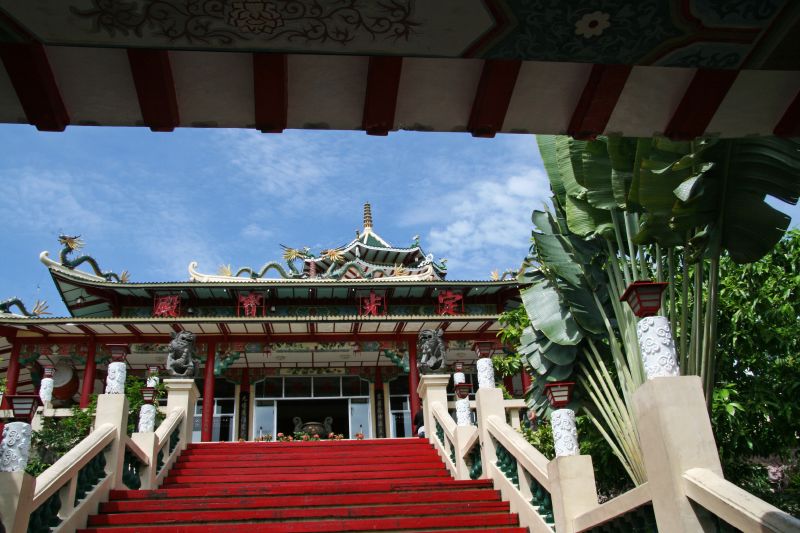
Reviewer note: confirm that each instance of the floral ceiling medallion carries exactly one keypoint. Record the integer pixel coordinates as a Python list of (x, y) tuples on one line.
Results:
[(221, 23), (592, 24)]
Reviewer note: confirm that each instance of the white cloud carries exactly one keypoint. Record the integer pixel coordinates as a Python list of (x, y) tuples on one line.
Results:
[(255, 231), (485, 225)]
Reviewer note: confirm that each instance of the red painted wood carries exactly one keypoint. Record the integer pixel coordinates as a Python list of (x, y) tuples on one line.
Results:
[(12, 374), (33, 80), (789, 124), (286, 467), (700, 103), (526, 381), (87, 388), (598, 100), (270, 91), (493, 96), (380, 100), (413, 383), (207, 419), (155, 88)]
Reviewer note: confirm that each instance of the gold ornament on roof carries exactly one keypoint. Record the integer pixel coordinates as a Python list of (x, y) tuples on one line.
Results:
[(225, 270), (40, 308), (73, 243), (400, 270), (124, 276), (495, 275), (333, 255), (293, 254), (367, 216)]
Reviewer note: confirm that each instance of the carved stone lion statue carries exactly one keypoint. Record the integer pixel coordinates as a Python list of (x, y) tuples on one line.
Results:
[(431, 351), (180, 362)]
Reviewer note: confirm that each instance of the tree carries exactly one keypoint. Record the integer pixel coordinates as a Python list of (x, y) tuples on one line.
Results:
[(756, 413)]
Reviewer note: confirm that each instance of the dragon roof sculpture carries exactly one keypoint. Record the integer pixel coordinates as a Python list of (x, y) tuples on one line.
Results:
[(71, 244), (368, 256)]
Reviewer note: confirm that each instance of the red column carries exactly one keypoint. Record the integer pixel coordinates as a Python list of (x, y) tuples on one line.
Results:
[(526, 381), (508, 382), (88, 374), (12, 374), (413, 381), (208, 394)]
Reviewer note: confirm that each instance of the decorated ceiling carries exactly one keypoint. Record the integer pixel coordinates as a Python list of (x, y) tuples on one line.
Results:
[(726, 34)]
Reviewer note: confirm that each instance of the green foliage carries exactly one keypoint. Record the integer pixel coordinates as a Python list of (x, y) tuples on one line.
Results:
[(58, 436), (755, 411), (133, 391)]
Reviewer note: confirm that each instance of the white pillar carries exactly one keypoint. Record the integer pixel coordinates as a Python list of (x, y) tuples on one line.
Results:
[(147, 418), (15, 447), (115, 382), (657, 346), (46, 391), (485, 373), (463, 412), (565, 432)]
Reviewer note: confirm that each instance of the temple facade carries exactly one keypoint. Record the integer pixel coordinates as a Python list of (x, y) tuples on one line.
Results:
[(328, 338)]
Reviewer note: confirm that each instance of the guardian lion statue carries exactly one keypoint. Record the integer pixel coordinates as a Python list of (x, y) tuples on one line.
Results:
[(180, 358), (431, 351)]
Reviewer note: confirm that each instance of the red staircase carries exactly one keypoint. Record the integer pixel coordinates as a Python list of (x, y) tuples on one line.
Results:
[(370, 485)]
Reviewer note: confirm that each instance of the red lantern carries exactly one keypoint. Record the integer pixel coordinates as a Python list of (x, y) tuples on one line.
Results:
[(644, 297), (559, 394), (484, 348), (148, 394), (24, 406), (118, 352), (463, 390)]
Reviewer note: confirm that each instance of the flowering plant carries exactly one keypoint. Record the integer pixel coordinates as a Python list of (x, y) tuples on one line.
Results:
[(335, 436), (360, 436)]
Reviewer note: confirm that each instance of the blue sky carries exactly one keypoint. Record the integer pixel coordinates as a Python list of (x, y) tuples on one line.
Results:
[(152, 202)]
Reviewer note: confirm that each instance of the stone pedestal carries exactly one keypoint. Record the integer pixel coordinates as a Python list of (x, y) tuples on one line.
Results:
[(485, 369), (15, 447), (16, 498), (182, 394), (657, 346), (675, 435), (565, 432), (432, 389), (488, 402), (115, 381), (463, 412), (572, 489), (147, 418), (113, 409)]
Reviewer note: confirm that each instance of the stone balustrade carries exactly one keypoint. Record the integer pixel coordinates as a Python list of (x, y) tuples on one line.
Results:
[(63, 497), (685, 491)]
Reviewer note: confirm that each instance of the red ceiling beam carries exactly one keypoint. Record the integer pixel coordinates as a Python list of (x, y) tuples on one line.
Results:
[(598, 100), (270, 91), (155, 87), (498, 78), (35, 85), (380, 101), (700, 103), (789, 124), (133, 329)]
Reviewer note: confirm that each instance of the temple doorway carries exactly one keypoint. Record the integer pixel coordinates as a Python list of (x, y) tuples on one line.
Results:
[(312, 411)]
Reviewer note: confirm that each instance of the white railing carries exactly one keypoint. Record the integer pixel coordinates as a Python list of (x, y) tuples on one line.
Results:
[(513, 407), (560, 495), (66, 494), (520, 471), (735, 505)]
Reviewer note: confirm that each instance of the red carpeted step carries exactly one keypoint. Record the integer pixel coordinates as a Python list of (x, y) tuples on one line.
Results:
[(166, 515), (414, 523), (378, 485), (308, 500)]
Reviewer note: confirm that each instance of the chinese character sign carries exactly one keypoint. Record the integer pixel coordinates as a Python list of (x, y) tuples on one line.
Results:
[(450, 303), (167, 306), (373, 305), (249, 304)]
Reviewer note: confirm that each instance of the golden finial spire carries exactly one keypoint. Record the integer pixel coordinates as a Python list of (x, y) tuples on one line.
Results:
[(367, 216)]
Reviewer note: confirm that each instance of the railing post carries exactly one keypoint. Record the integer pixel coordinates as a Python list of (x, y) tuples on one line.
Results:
[(113, 409), (16, 498), (182, 394), (675, 434), (432, 389), (488, 402), (147, 442), (572, 489)]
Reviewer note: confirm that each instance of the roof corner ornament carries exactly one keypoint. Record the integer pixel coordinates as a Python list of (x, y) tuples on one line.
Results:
[(73, 243), (39, 308), (432, 352), (507, 274)]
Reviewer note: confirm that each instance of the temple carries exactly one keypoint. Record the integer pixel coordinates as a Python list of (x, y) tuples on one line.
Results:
[(330, 338)]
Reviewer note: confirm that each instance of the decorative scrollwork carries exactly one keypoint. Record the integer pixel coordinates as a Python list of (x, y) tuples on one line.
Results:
[(223, 23)]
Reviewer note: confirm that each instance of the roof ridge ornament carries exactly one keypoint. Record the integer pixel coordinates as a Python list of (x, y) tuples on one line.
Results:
[(367, 217)]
